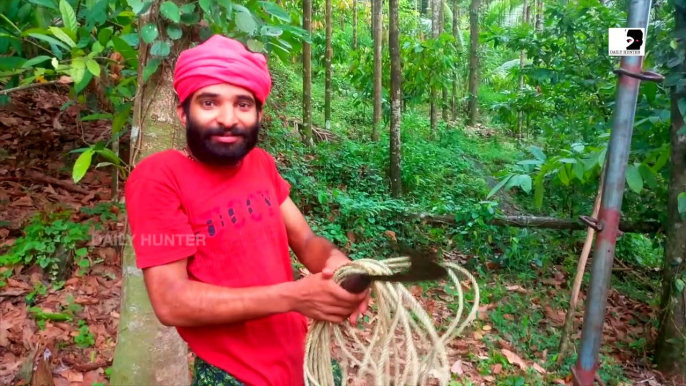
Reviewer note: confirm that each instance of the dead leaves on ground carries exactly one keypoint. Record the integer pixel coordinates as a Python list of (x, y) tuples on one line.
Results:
[(40, 334)]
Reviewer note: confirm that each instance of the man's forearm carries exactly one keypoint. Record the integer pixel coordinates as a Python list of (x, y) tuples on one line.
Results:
[(315, 252), (192, 303)]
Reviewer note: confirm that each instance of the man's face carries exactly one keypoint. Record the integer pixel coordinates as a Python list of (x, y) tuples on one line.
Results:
[(222, 124)]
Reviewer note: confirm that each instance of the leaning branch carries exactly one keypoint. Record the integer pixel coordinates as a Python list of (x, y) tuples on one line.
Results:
[(542, 222), (28, 86)]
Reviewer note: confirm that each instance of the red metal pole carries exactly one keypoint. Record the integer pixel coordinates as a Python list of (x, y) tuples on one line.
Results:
[(630, 76)]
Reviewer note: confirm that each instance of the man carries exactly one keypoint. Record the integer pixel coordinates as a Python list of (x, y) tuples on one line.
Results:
[(212, 225)]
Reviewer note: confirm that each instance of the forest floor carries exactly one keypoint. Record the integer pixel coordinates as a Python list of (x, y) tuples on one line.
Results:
[(67, 328)]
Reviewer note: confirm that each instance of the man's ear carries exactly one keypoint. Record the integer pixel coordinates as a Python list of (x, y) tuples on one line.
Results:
[(181, 114)]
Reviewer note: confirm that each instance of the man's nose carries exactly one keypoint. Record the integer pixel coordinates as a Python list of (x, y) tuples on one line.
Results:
[(227, 116)]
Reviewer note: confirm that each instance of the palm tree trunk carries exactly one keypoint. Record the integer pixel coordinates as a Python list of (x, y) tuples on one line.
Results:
[(376, 17), (473, 61), (327, 68), (306, 134)]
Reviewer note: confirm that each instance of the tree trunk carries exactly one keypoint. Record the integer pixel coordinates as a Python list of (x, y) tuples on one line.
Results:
[(670, 349), (444, 88), (396, 114), (522, 63), (473, 61), (306, 134), (147, 352), (377, 10), (435, 30), (327, 68), (539, 15), (354, 24), (456, 33)]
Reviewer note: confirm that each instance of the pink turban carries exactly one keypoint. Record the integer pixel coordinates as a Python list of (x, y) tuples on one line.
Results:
[(221, 60)]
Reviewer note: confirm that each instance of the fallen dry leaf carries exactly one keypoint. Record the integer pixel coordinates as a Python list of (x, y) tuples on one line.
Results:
[(557, 317), (538, 368), (514, 359), (487, 328), (456, 368), (517, 288), (496, 368)]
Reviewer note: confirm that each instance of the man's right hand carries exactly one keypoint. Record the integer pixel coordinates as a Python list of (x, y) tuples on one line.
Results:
[(320, 298)]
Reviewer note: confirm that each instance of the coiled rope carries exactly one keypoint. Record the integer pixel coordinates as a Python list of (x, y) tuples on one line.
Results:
[(398, 310)]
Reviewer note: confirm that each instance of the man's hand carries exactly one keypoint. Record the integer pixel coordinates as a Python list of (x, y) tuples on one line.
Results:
[(320, 298), (336, 260)]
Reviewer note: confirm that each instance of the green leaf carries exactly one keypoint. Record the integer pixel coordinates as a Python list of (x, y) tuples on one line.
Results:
[(82, 164), (32, 62), (562, 174), (171, 11), (188, 8), (539, 190), (500, 185), (121, 118), (206, 5), (49, 39), (682, 106), (268, 30), (537, 152), (245, 22), (568, 160), (150, 68), (93, 67), (62, 36), (68, 16), (648, 176), (190, 18), (681, 202), (525, 182), (109, 155), (174, 31), (81, 252), (149, 32), (276, 11), (160, 48), (138, 6), (579, 171), (45, 3), (97, 48), (634, 179), (78, 70), (255, 45)]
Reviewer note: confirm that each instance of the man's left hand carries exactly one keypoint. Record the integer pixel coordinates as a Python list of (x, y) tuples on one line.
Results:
[(336, 260)]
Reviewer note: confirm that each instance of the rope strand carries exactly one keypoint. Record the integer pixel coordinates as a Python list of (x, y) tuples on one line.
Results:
[(397, 309)]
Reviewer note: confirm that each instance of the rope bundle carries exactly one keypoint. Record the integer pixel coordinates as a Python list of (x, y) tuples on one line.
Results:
[(383, 350)]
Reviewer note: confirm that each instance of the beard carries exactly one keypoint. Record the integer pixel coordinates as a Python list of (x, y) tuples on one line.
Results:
[(206, 150)]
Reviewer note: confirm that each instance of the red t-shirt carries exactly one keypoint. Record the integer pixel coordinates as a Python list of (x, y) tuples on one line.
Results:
[(228, 224)]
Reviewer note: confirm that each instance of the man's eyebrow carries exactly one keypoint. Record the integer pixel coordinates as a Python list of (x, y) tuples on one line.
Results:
[(207, 95), (248, 98)]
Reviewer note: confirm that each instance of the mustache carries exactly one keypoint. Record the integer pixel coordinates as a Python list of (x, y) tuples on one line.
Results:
[(233, 130)]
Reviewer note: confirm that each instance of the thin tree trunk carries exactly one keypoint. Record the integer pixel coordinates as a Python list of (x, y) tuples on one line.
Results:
[(670, 349), (327, 68), (580, 269), (539, 15), (377, 11), (396, 114), (456, 33), (444, 88), (473, 61), (306, 134), (354, 24), (147, 352), (435, 30), (522, 63)]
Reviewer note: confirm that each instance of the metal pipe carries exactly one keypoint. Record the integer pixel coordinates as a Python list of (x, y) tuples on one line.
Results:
[(584, 372)]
